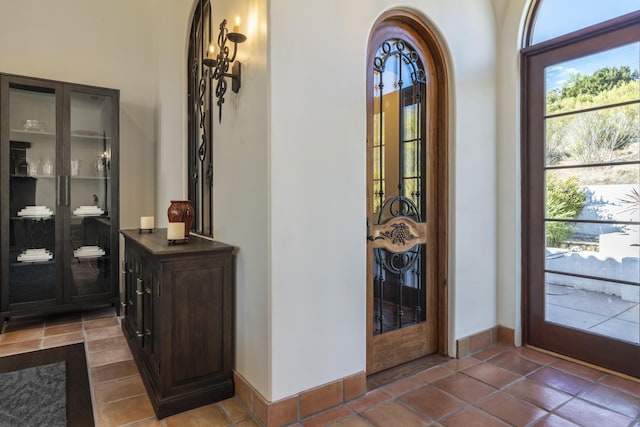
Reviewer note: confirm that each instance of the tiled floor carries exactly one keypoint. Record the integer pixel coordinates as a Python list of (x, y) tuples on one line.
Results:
[(501, 386)]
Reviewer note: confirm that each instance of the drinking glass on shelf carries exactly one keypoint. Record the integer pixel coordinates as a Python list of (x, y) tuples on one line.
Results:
[(75, 167), (47, 167), (33, 167)]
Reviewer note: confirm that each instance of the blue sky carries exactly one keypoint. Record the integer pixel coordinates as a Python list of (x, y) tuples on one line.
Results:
[(558, 17)]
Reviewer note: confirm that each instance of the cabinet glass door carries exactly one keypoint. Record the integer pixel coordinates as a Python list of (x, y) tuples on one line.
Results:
[(89, 163), (33, 196)]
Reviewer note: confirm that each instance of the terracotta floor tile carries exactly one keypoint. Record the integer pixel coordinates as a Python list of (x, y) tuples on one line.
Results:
[(109, 356), (148, 423), (433, 402), (113, 371), (100, 323), (460, 364), (20, 347), (535, 356), (615, 400), (511, 410), (464, 387), (555, 421), (622, 384), (59, 340), (579, 370), (472, 417), (21, 335), (235, 410), (209, 415), (328, 417), (126, 411), (102, 333), (105, 344), (491, 352), (60, 329), (19, 324), (403, 386), (491, 374), (393, 414), (355, 421), (370, 399), (434, 374), (538, 394), (514, 363), (560, 380), (118, 389), (585, 414), (99, 313), (248, 423)]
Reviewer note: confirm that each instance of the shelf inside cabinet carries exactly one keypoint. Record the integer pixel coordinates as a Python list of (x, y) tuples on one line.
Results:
[(28, 134)]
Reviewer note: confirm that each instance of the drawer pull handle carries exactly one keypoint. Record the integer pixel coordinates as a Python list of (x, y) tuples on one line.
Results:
[(146, 333), (146, 291)]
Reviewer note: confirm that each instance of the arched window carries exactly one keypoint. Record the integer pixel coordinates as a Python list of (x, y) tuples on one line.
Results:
[(581, 181), (200, 121)]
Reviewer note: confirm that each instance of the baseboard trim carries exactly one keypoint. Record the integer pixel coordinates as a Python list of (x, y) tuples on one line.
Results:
[(482, 340), (294, 408)]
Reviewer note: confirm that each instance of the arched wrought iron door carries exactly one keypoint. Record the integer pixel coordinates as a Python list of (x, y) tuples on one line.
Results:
[(402, 201)]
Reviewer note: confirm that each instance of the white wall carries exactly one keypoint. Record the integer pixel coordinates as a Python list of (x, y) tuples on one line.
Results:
[(317, 65), (96, 43), (509, 15)]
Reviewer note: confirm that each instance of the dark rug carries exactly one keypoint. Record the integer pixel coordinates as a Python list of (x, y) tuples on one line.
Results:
[(45, 388)]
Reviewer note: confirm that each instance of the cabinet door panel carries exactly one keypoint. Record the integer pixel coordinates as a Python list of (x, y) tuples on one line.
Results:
[(91, 134), (31, 255), (197, 304)]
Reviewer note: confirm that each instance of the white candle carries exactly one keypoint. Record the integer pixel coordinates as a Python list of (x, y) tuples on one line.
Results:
[(175, 231), (146, 223)]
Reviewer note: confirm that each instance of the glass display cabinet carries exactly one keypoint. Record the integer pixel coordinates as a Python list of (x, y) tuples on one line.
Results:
[(59, 199)]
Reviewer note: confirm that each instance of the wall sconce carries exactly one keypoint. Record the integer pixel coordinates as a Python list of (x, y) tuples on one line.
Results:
[(219, 64)]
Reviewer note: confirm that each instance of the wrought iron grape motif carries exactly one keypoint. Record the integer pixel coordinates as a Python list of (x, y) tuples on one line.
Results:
[(400, 234)]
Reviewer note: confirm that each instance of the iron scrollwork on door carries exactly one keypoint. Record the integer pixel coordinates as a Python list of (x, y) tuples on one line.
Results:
[(398, 235)]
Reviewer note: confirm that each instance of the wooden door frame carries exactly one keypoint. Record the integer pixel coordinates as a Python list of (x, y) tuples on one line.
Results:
[(404, 24), (534, 59)]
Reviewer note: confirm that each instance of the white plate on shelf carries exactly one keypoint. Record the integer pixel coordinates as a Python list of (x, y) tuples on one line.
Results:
[(35, 255), (88, 252), (35, 212), (88, 211)]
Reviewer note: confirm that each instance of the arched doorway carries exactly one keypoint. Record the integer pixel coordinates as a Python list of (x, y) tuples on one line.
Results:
[(406, 192)]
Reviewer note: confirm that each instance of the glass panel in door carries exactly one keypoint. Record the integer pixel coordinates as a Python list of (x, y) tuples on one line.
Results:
[(32, 200), (90, 192), (592, 194)]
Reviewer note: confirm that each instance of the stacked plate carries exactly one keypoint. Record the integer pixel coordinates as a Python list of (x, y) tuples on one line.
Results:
[(88, 252), (35, 255), (35, 212), (88, 211)]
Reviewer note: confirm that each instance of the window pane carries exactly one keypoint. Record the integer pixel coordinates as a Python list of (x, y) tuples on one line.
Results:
[(605, 78), (558, 17), (597, 306), (601, 136)]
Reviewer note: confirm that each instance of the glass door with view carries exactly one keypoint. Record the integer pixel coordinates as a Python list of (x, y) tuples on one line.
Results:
[(401, 297), (585, 285), (31, 220), (89, 165)]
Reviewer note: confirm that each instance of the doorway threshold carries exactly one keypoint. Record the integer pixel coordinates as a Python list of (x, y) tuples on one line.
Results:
[(380, 379)]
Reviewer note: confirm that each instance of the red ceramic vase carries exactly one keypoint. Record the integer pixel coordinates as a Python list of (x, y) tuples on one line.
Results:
[(181, 211)]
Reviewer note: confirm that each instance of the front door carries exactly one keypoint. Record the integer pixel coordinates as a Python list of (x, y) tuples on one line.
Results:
[(403, 202)]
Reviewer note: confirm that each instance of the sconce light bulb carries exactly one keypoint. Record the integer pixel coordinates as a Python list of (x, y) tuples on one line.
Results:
[(211, 51)]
